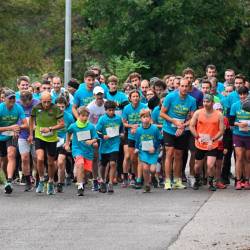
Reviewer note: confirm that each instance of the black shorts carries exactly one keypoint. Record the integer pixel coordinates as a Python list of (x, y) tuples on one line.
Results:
[(219, 154), (125, 139), (106, 158), (200, 154), (12, 142), (131, 143), (49, 147), (61, 151), (191, 141), (178, 142)]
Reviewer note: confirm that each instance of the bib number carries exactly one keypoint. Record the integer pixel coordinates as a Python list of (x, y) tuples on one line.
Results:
[(112, 131), (147, 145), (83, 135)]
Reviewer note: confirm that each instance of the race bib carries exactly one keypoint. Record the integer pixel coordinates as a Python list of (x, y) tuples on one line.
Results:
[(83, 135), (147, 145), (204, 138), (180, 120), (8, 133), (60, 142), (112, 131), (245, 129)]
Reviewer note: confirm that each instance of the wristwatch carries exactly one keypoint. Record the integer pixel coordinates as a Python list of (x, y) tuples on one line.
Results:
[(50, 129)]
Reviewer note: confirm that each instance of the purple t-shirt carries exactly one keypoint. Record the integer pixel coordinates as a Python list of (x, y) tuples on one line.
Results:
[(24, 133), (198, 96)]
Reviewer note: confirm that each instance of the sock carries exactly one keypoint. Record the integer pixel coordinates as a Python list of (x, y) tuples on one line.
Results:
[(41, 178), (125, 176), (210, 180), (81, 185), (27, 179)]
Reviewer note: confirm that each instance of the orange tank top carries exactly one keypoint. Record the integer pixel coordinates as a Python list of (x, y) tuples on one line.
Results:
[(207, 127)]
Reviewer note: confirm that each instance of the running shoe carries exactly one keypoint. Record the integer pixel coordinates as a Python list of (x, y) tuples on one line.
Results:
[(80, 191), (147, 189), (138, 185), (68, 181), (59, 188), (40, 187), (124, 184), (132, 182), (242, 184), (154, 182), (220, 185), (103, 188), (212, 188), (178, 184), (28, 187), (196, 185), (247, 185), (110, 188), (167, 185), (95, 186), (238, 185), (50, 188), (8, 188), (191, 181)]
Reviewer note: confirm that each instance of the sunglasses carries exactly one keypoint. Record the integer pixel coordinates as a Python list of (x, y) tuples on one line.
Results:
[(11, 98)]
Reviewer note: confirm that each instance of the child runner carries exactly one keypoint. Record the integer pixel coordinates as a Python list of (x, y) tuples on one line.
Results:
[(84, 138), (108, 129), (147, 143)]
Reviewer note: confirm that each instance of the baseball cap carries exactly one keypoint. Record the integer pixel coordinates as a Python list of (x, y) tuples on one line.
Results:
[(9, 93), (98, 90), (217, 106), (208, 97)]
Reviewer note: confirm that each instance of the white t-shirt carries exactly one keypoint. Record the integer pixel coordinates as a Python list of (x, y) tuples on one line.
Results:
[(95, 111)]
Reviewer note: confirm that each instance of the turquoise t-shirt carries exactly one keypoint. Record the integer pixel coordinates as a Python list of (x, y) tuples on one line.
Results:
[(109, 126), (231, 99), (105, 88), (178, 109), (156, 116), (79, 147), (83, 96), (10, 117), (68, 120), (119, 97), (132, 116), (144, 138), (240, 115), (220, 87)]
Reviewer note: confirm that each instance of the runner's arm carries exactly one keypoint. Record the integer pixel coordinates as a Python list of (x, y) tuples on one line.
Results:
[(193, 122)]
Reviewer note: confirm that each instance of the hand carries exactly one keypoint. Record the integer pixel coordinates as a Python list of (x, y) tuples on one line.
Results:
[(225, 151), (89, 142), (106, 137), (151, 150), (178, 124), (67, 147), (179, 132), (30, 139), (242, 124), (44, 130), (136, 151), (15, 128)]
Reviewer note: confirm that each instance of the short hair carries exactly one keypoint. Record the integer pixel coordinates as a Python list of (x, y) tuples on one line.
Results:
[(206, 81), (188, 71), (211, 66), (95, 67), (23, 78), (159, 83), (57, 77), (134, 75), (109, 105), (26, 95), (45, 82), (61, 100), (82, 111), (229, 70), (145, 112), (134, 91), (113, 78), (126, 85), (240, 76), (243, 90), (46, 76), (89, 73)]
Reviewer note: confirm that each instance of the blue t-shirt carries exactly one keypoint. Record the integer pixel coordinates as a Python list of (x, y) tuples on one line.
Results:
[(156, 116), (10, 117), (79, 147), (105, 126), (68, 120), (83, 96), (119, 97), (24, 133), (220, 87), (232, 98), (143, 138), (177, 108), (105, 88), (240, 115), (69, 109), (132, 116), (197, 95)]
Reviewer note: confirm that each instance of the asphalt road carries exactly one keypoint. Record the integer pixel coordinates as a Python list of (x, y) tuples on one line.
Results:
[(127, 219)]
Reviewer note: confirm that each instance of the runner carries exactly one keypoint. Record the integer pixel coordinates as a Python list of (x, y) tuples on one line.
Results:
[(207, 126), (10, 113), (48, 119)]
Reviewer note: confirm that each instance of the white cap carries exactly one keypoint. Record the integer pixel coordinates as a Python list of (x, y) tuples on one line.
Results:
[(98, 90), (217, 106)]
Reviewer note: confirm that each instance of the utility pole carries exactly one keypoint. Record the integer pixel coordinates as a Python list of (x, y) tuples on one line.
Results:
[(67, 61)]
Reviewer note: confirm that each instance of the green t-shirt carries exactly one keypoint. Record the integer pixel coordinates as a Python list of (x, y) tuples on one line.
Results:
[(45, 119)]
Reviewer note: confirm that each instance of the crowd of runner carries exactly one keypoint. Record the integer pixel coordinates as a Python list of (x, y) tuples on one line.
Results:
[(149, 133)]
